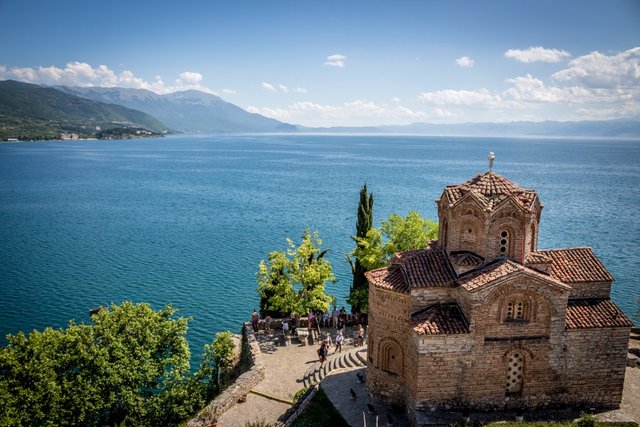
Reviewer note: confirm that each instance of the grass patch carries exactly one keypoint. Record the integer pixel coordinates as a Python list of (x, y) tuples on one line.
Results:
[(320, 413)]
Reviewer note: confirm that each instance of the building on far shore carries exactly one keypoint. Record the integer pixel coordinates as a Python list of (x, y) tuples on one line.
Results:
[(69, 136), (483, 319)]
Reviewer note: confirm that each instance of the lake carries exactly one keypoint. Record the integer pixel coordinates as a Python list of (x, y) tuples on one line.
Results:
[(185, 220)]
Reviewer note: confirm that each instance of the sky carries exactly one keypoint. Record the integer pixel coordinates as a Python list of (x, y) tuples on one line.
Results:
[(344, 63)]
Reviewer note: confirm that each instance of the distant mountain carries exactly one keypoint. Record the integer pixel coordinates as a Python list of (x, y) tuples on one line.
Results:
[(188, 111), (606, 128), (29, 111)]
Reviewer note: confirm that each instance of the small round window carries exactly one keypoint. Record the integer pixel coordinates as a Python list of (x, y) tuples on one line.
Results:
[(504, 242)]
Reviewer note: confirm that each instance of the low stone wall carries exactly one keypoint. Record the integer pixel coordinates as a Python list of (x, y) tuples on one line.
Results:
[(294, 412), (240, 387)]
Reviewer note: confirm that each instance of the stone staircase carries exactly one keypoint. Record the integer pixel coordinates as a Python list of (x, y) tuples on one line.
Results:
[(348, 360)]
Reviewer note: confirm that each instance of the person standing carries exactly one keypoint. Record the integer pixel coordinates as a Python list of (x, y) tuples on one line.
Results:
[(310, 319), (267, 323), (327, 341), (254, 320), (339, 339), (360, 337), (335, 316), (325, 319), (322, 352)]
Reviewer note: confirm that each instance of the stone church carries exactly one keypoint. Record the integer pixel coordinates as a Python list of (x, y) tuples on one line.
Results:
[(483, 319)]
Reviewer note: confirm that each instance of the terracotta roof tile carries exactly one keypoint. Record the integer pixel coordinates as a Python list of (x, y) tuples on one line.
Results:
[(537, 258), (466, 259), (495, 270), (491, 189), (427, 267), (594, 313), (440, 319), (483, 276), (388, 278), (401, 256), (576, 265)]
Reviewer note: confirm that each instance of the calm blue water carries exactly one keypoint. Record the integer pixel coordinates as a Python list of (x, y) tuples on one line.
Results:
[(185, 220)]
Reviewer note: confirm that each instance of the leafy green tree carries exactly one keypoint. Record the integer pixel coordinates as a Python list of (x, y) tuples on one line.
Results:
[(396, 234), (310, 272), (221, 352), (277, 295), (294, 281), (411, 232), (128, 367), (358, 293)]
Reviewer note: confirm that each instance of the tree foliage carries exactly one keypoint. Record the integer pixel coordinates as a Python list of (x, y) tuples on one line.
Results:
[(131, 366), (358, 293), (396, 234), (408, 233), (293, 281), (221, 352)]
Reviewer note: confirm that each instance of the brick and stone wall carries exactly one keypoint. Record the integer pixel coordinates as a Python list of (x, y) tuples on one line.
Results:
[(425, 297), (590, 290), (595, 365), (388, 332), (544, 308)]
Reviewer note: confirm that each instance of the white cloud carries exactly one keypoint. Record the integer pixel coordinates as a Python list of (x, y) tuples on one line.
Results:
[(282, 88), (465, 61), (459, 97), (82, 74), (528, 97), (336, 60), (189, 78), (443, 114), (599, 70), (537, 54), (528, 88), (353, 113), (228, 91)]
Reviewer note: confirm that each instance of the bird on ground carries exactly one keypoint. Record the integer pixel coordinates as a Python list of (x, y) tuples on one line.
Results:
[(389, 420), (354, 396), (360, 377), (370, 408)]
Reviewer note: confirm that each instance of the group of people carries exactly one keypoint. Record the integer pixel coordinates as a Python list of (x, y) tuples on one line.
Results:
[(335, 318), (326, 343), (330, 319)]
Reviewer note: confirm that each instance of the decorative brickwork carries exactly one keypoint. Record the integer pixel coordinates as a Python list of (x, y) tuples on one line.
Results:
[(483, 319)]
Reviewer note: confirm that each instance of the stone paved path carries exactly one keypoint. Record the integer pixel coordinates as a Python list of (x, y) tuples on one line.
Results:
[(357, 412), (285, 367)]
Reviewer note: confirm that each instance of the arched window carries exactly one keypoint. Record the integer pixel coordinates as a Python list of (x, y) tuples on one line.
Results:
[(515, 373), (504, 243), (391, 357)]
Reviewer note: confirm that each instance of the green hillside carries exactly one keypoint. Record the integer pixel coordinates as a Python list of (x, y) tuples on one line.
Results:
[(30, 111)]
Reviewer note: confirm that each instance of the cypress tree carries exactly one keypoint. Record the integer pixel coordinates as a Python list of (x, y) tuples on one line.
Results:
[(364, 224)]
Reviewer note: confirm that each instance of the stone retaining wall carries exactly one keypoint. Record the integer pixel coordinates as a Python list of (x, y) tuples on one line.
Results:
[(240, 387), (295, 411)]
